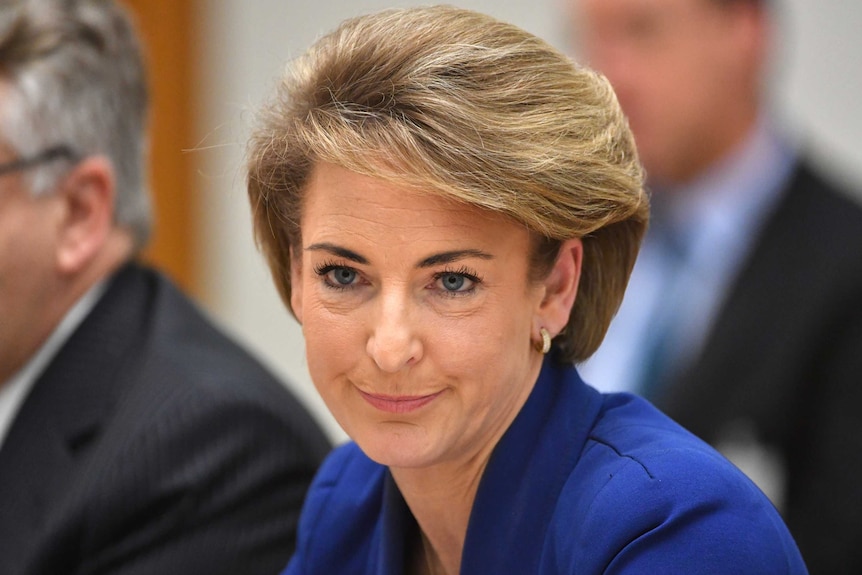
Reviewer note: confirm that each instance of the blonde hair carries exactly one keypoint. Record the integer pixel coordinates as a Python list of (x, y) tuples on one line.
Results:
[(456, 103)]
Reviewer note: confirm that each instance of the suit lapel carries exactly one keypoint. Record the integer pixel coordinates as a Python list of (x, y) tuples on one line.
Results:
[(733, 366), (62, 417)]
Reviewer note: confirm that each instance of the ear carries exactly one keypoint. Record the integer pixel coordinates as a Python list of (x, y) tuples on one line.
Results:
[(88, 202), (296, 284), (560, 288)]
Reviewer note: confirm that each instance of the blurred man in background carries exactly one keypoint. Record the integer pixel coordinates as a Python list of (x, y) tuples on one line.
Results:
[(743, 318), (134, 437)]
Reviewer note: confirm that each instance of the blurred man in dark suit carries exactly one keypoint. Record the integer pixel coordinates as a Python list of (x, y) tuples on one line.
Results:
[(134, 437), (742, 319)]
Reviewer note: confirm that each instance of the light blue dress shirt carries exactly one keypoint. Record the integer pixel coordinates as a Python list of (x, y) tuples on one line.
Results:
[(717, 219)]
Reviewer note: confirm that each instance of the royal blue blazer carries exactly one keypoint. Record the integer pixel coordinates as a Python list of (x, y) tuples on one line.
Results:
[(581, 483)]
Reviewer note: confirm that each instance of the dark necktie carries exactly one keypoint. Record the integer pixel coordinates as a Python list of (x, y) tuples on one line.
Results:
[(660, 346)]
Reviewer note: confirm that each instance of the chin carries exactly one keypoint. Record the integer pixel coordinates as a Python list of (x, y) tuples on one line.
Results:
[(396, 445)]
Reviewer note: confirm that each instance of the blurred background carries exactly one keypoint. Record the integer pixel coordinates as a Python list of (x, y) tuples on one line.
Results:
[(212, 62)]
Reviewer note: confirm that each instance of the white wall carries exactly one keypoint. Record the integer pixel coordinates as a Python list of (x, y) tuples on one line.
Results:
[(820, 80), (247, 42)]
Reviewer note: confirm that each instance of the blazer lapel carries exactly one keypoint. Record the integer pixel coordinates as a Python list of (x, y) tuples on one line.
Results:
[(49, 439), (733, 375), (398, 530), (520, 487)]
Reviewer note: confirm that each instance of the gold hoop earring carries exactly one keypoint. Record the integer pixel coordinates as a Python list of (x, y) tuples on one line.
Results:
[(544, 346)]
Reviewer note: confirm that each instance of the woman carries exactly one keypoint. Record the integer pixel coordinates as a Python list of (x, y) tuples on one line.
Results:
[(451, 210)]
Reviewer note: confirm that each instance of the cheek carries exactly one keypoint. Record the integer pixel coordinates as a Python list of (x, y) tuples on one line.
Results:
[(333, 343), (486, 339)]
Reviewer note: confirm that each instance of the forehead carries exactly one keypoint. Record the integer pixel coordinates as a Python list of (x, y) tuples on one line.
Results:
[(343, 205), (625, 12), (631, 6)]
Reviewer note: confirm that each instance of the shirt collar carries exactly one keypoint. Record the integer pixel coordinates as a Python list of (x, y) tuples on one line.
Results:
[(731, 198), (14, 391)]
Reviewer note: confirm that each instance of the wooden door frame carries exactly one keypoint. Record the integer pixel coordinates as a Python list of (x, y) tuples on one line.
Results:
[(166, 29)]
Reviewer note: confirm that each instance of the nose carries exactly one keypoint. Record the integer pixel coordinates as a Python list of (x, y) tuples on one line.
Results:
[(393, 343)]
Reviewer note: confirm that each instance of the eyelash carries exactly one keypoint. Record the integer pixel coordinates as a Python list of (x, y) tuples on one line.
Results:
[(463, 271), (325, 268)]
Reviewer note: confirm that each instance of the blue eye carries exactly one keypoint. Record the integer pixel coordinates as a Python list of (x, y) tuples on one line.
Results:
[(456, 283), (336, 276), (342, 276), (452, 281)]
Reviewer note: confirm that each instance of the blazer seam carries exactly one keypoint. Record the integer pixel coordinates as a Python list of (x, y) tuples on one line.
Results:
[(621, 454)]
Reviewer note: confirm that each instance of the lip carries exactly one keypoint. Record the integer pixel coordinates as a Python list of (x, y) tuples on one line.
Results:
[(398, 403)]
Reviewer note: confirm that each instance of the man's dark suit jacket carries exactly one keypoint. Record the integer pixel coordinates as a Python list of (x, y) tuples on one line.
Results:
[(784, 360), (152, 444)]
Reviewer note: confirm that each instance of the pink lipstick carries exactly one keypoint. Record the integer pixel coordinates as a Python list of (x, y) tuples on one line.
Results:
[(398, 403)]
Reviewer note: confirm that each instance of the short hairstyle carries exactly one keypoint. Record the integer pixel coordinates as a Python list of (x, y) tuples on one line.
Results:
[(456, 103), (72, 75)]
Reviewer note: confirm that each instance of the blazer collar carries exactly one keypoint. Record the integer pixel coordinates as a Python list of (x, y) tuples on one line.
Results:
[(522, 483)]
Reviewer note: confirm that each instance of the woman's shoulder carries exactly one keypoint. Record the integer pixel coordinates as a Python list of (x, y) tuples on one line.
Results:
[(635, 449), (648, 492), (630, 428)]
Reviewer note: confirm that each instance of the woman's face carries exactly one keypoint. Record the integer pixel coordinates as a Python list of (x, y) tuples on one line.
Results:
[(418, 317)]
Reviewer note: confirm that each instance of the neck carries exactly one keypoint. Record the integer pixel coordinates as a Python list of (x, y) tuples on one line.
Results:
[(702, 154), (427, 561), (61, 290), (441, 499), (441, 496)]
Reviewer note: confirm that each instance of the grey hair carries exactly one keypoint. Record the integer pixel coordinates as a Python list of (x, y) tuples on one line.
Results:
[(73, 75)]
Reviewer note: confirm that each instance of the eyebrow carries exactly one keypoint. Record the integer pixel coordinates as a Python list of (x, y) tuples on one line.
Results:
[(338, 251), (430, 261), (453, 256)]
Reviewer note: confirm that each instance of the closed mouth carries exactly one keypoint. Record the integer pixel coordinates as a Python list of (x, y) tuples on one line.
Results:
[(398, 403)]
